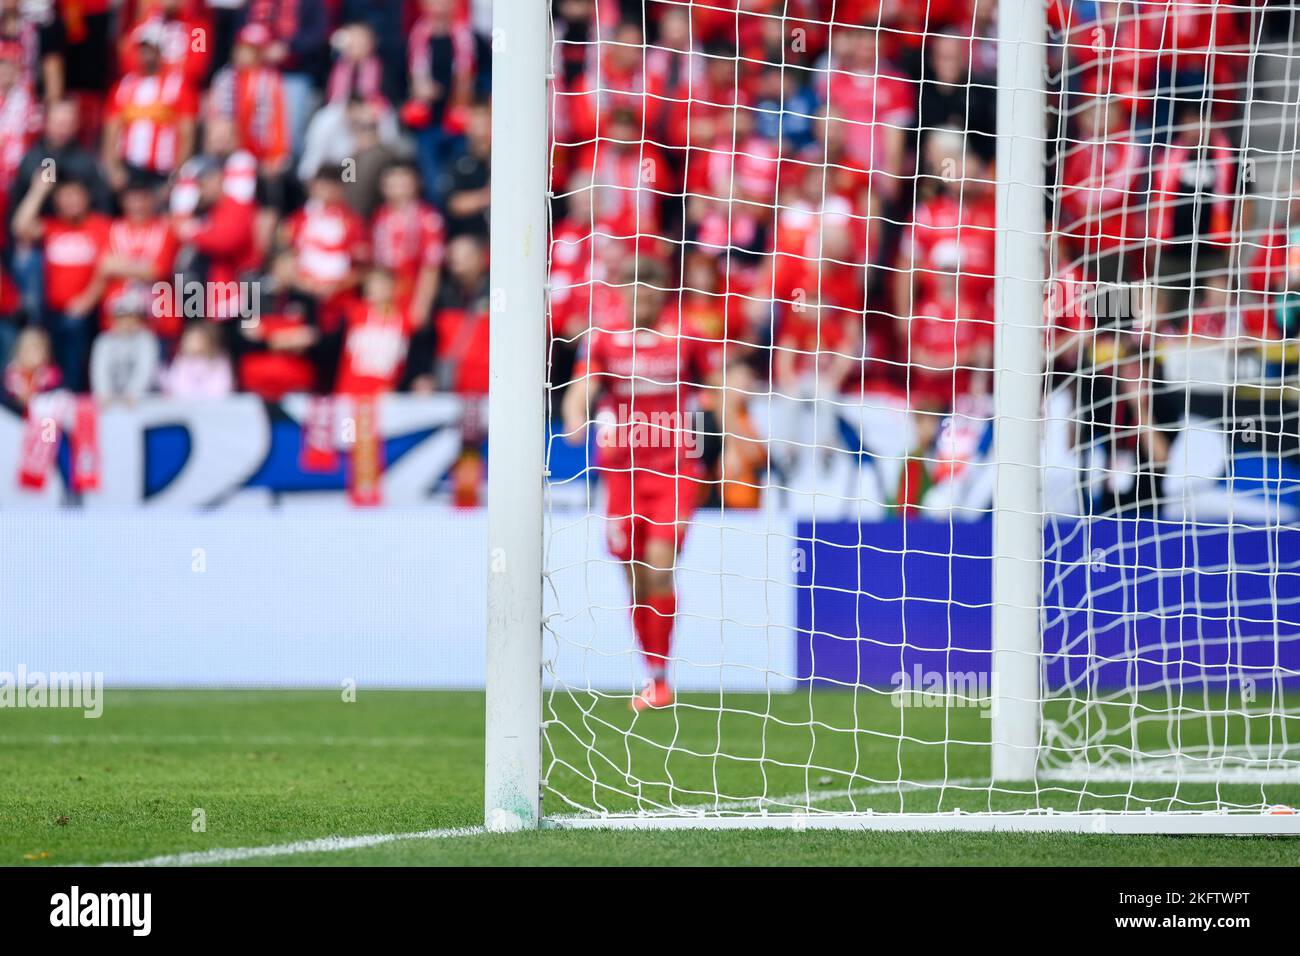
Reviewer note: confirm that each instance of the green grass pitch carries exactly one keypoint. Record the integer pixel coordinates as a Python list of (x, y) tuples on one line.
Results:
[(263, 768)]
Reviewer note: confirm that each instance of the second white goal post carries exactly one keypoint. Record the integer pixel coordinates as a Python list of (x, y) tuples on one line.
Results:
[(895, 417)]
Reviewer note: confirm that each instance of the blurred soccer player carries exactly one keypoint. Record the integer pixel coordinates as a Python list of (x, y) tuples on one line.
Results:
[(641, 377)]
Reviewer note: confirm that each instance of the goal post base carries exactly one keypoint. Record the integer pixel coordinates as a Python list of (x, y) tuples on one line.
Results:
[(1172, 824)]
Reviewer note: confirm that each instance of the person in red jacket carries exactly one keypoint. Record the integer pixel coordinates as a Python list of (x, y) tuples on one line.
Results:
[(219, 240)]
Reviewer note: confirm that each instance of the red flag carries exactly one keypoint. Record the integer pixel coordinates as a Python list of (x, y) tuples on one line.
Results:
[(86, 466), (367, 461), (318, 452), (40, 445)]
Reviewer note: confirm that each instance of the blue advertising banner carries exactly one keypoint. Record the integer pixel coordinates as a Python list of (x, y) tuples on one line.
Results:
[(1128, 603)]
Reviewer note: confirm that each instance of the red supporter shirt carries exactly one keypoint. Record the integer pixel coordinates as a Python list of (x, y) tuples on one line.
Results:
[(943, 346), (72, 253), (463, 345), (945, 232), (151, 109), (152, 242), (329, 240), (406, 241), (374, 352), (647, 378), (866, 105)]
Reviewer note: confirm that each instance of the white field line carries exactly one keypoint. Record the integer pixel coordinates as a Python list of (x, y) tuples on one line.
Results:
[(252, 740), (333, 844)]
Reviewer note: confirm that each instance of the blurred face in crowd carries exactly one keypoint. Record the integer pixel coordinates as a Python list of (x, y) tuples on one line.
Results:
[(128, 322), (701, 274), (379, 287), (71, 200), (856, 49), (149, 57), (642, 294), (675, 29), (579, 199), (948, 59), (220, 137), (199, 340), (61, 123), (245, 56), (32, 350), (440, 11), (465, 259), (399, 186), (478, 129), (9, 72), (138, 204), (326, 189), (625, 50), (945, 155), (363, 124)]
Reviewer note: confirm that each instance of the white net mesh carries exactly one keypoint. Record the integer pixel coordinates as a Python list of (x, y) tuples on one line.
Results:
[(772, 357)]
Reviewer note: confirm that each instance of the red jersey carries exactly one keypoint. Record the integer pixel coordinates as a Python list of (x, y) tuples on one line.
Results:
[(629, 182), (406, 241), (72, 253), (943, 348), (866, 106), (1101, 199), (647, 378), (955, 237), (374, 351), (151, 109), (153, 242), (463, 338), (329, 239), (20, 122)]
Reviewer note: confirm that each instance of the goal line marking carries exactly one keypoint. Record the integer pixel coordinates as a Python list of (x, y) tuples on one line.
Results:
[(335, 844)]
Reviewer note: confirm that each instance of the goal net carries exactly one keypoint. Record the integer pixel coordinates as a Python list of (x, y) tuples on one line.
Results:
[(923, 446)]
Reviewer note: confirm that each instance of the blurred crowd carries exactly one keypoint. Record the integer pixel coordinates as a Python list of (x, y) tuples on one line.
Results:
[(270, 196), (820, 177), (276, 196)]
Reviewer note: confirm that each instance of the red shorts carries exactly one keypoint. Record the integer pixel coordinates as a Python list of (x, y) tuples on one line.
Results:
[(647, 506)]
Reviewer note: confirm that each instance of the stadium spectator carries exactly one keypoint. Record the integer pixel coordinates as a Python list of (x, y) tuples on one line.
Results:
[(57, 153), (331, 243), (340, 131), (151, 113), (283, 351), (409, 239), (375, 339), (442, 61), (299, 48), (178, 31), (37, 30), (467, 182), (74, 239), (250, 94), (141, 250), (31, 369), (201, 369), (217, 238), (451, 354), (124, 360)]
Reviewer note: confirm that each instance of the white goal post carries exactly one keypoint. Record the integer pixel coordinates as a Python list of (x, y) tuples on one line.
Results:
[(1120, 643)]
